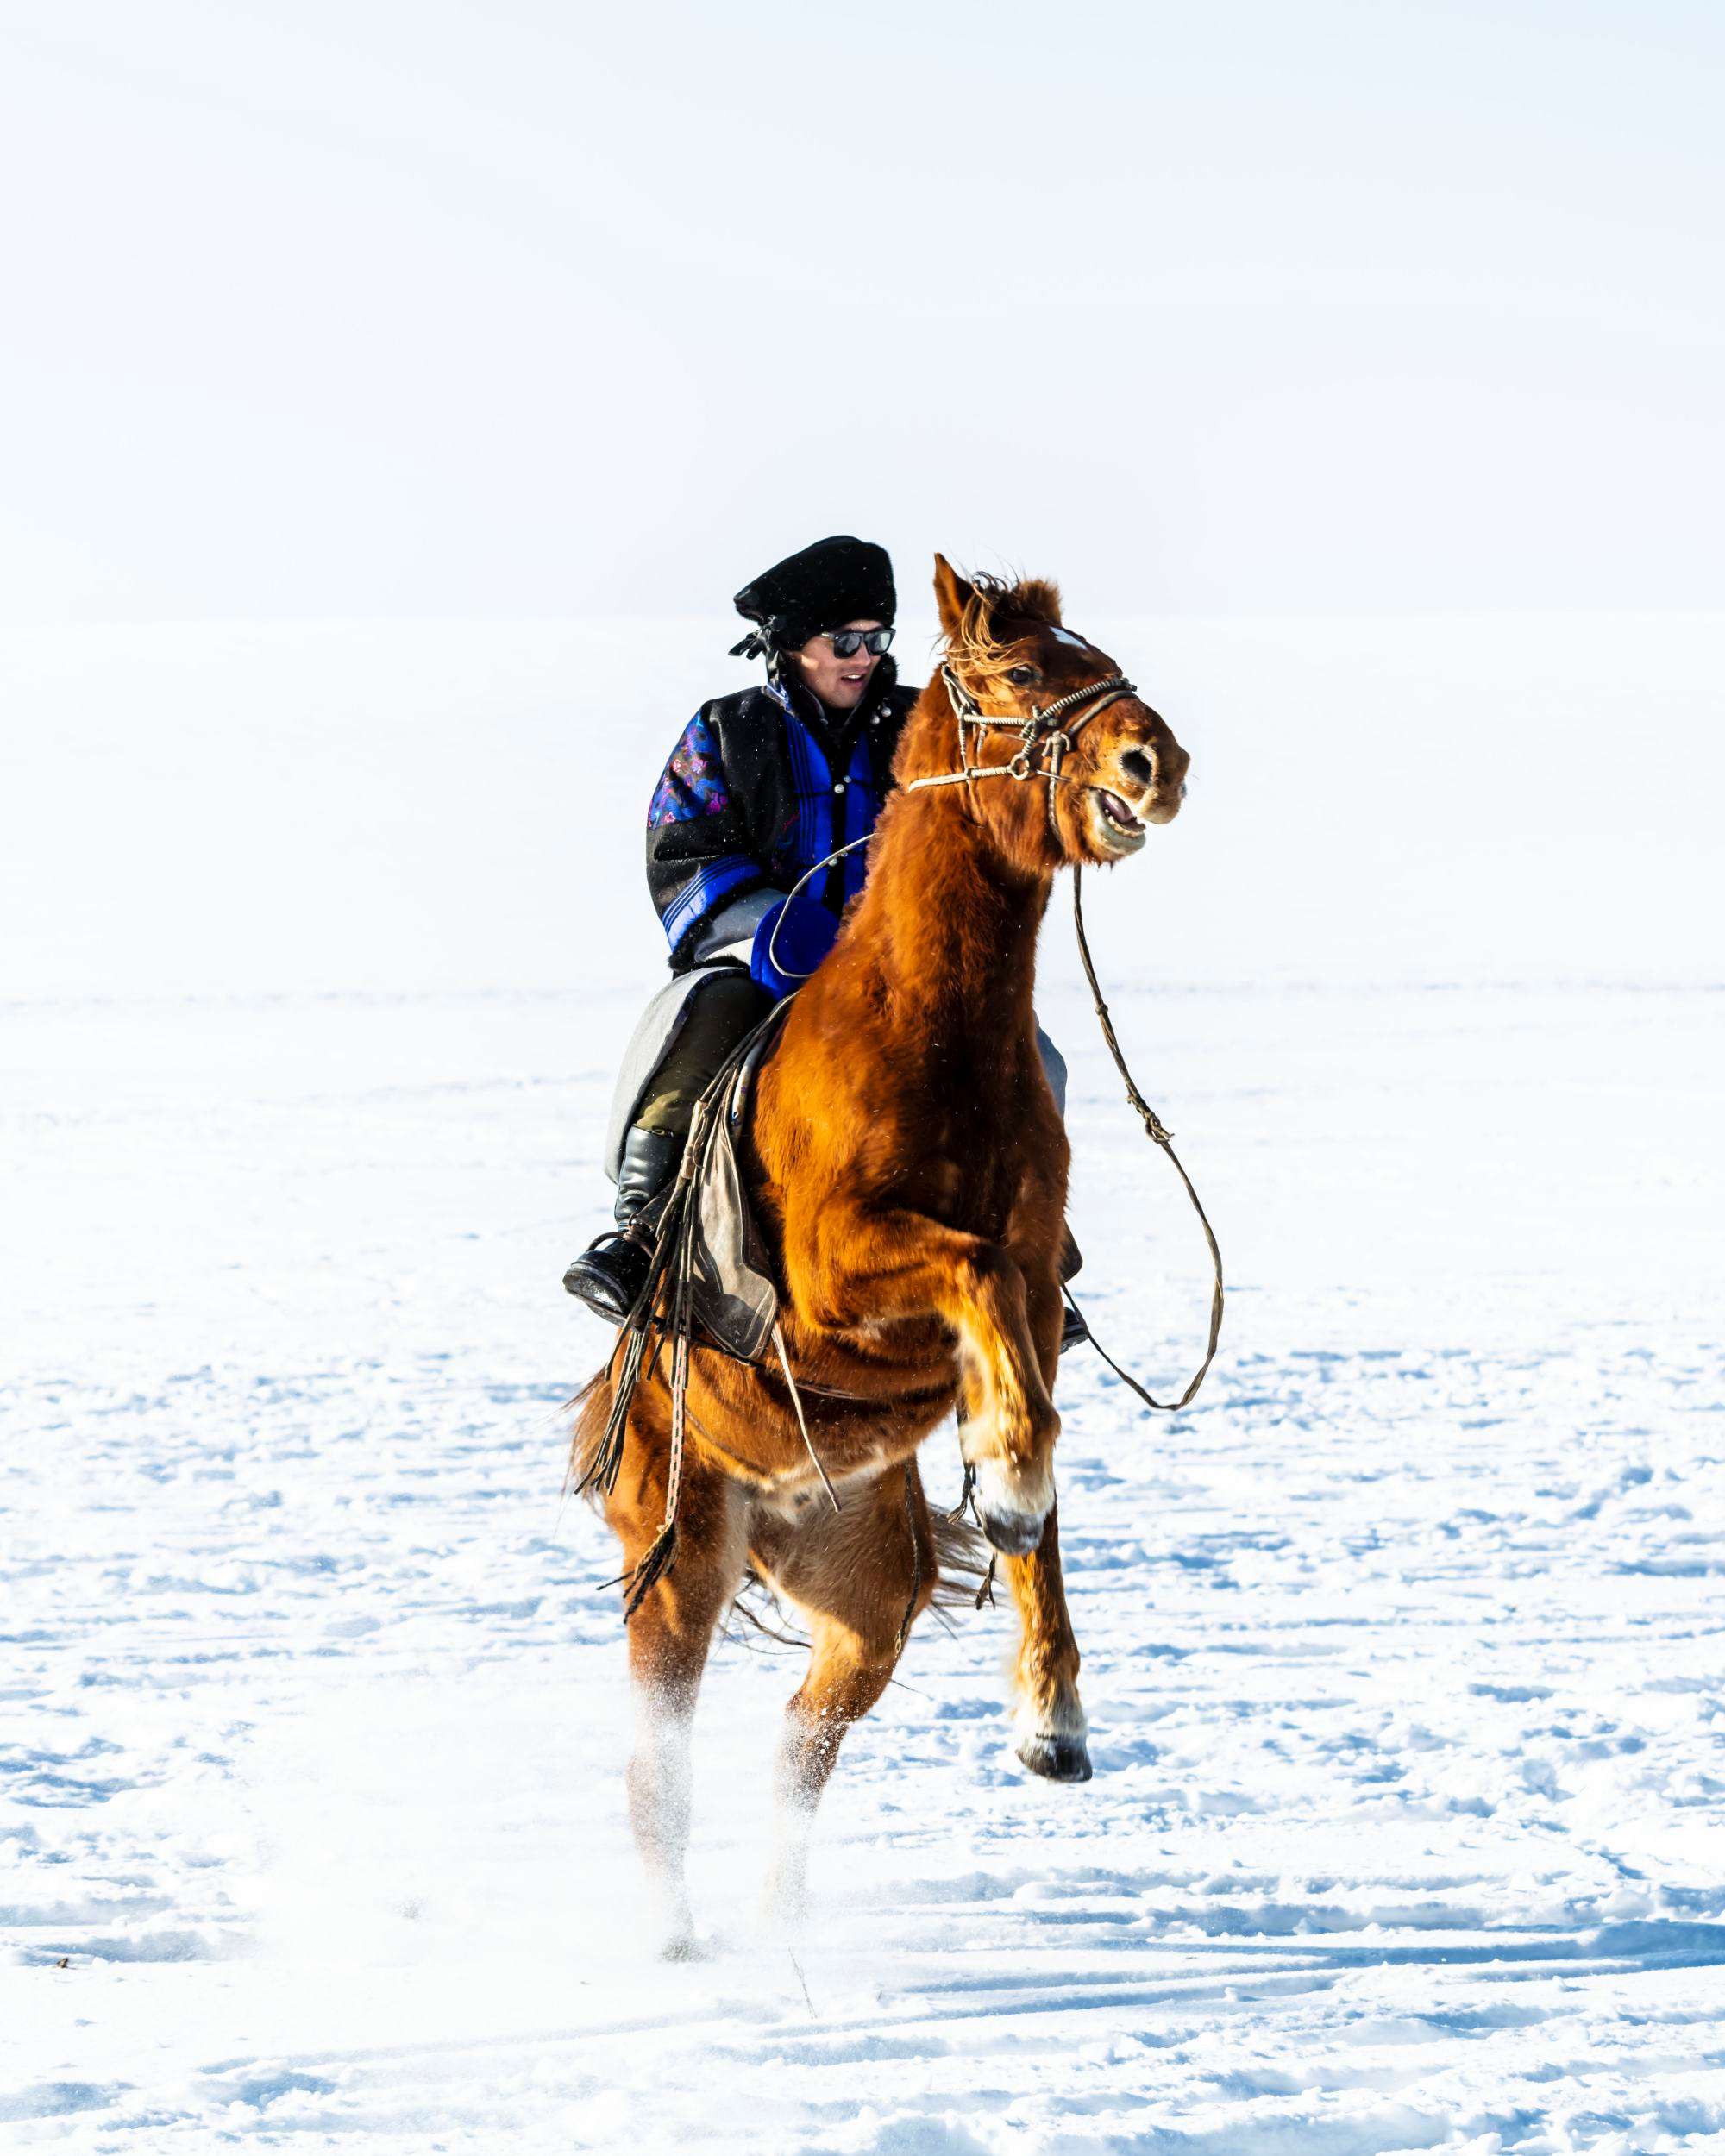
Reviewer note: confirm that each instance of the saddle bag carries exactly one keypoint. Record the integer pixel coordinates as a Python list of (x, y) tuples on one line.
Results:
[(735, 1294)]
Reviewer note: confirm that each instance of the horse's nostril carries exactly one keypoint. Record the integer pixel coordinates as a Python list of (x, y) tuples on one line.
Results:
[(1137, 765)]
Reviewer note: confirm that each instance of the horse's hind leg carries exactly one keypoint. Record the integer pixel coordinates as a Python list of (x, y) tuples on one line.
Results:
[(669, 1637), (861, 1577)]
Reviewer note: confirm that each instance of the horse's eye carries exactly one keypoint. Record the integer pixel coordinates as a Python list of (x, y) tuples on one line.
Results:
[(1021, 674)]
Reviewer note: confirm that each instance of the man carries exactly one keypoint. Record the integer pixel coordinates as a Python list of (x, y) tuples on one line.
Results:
[(763, 784)]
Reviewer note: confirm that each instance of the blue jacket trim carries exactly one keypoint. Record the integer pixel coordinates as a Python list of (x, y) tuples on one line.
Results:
[(704, 890)]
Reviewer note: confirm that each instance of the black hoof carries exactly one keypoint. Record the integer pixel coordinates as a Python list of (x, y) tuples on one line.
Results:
[(1057, 1758), (1014, 1534)]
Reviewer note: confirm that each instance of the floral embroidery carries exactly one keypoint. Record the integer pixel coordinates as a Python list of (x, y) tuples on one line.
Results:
[(693, 784)]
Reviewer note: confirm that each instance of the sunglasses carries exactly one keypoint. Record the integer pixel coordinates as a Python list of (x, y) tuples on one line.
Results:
[(847, 642)]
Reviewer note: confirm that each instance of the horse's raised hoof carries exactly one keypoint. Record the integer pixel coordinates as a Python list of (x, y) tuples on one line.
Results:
[(1057, 1758), (1014, 1534), (1012, 1499)]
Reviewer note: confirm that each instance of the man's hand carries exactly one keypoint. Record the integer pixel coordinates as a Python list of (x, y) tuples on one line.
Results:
[(790, 942)]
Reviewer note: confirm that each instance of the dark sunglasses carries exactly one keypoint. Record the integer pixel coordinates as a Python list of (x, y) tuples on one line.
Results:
[(847, 642)]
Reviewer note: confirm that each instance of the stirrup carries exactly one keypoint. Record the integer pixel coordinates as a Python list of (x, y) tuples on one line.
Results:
[(609, 1274)]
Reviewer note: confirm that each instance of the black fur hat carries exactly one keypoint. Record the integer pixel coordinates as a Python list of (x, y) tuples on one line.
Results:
[(835, 580)]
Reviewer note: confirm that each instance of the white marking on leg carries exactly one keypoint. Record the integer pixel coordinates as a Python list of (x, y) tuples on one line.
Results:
[(1063, 1716), (1009, 1489), (787, 1893), (659, 1805)]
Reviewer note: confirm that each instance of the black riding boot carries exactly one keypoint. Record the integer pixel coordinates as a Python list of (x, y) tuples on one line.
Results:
[(1074, 1332), (612, 1271)]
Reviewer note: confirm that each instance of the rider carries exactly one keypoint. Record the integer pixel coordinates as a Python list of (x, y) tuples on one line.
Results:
[(763, 785)]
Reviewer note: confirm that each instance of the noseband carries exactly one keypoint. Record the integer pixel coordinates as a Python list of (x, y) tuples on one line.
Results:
[(1042, 743)]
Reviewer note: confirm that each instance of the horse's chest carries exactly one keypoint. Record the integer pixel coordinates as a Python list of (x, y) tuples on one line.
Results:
[(982, 1195)]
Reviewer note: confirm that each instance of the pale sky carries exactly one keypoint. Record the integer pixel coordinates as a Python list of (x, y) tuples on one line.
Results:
[(521, 309)]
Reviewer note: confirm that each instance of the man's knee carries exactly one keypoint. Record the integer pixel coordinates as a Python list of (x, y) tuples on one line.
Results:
[(720, 1012)]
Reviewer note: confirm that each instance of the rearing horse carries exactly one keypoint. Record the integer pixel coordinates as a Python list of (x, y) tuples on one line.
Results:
[(908, 1168)]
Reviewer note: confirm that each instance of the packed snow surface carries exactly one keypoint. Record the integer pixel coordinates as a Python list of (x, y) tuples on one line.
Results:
[(1401, 1649)]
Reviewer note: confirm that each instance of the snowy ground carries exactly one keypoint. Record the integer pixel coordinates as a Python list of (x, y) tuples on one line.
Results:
[(1402, 1653)]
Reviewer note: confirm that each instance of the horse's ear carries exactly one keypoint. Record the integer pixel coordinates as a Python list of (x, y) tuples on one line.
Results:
[(951, 594)]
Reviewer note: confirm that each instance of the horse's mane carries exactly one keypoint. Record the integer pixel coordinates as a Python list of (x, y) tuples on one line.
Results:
[(987, 640)]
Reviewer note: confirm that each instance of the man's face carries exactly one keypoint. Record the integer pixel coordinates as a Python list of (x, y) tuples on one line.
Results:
[(841, 683)]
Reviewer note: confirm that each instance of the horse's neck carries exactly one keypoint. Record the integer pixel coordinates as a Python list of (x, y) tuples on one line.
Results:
[(954, 927)]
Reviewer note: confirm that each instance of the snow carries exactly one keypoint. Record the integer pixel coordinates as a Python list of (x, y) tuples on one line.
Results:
[(1402, 1650)]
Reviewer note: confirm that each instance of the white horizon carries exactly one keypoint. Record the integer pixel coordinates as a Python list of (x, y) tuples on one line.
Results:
[(334, 312)]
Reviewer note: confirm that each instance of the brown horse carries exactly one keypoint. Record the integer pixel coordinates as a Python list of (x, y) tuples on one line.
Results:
[(908, 1167)]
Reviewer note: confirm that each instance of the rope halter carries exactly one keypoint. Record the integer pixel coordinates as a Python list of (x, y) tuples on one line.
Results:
[(1042, 743)]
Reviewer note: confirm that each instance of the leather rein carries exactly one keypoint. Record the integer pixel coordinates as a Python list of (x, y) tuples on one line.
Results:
[(1042, 747), (1038, 738), (1044, 743)]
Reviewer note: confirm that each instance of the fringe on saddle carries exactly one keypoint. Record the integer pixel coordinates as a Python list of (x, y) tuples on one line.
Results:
[(707, 1273)]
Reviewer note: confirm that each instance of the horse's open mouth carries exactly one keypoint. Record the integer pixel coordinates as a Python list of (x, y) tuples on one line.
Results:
[(1121, 830)]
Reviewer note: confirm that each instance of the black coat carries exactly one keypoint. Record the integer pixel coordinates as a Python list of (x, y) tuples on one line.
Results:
[(762, 785)]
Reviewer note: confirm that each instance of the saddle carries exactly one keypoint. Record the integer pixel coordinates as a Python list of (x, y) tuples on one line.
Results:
[(735, 1295), (732, 1287)]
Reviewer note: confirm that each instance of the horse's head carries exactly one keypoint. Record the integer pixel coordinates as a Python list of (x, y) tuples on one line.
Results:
[(1119, 767)]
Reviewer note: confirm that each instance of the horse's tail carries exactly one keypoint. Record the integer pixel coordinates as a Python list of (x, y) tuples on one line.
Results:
[(589, 1414), (965, 1581), (965, 1562)]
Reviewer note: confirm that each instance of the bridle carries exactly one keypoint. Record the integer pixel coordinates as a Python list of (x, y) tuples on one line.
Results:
[(1042, 743)]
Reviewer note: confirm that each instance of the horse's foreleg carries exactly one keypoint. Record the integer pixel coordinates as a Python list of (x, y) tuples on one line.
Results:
[(669, 1637), (872, 1265), (1049, 1722), (861, 1578)]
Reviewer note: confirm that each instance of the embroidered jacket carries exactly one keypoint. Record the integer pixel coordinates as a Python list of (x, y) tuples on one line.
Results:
[(756, 791)]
